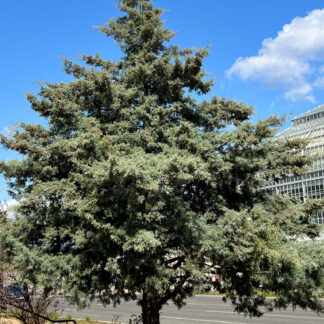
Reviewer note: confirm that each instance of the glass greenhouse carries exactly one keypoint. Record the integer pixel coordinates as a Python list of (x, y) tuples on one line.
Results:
[(309, 125)]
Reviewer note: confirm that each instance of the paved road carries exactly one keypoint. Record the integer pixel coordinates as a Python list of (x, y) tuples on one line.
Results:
[(199, 310)]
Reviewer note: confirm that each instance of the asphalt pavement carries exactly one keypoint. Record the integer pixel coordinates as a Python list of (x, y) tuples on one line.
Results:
[(199, 310)]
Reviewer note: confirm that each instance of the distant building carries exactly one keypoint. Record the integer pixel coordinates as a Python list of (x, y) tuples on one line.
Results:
[(309, 125)]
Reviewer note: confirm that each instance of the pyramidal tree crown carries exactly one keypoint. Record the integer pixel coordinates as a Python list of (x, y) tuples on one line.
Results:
[(135, 186)]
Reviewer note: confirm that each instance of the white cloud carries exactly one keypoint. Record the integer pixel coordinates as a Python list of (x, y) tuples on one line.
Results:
[(289, 61), (304, 91), (319, 83), (5, 131), (8, 204), (9, 130), (321, 69)]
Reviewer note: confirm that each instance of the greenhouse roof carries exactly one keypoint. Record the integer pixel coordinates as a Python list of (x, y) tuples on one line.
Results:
[(309, 125), (310, 112)]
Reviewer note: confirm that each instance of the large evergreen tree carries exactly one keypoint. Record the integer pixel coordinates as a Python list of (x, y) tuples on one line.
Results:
[(134, 186)]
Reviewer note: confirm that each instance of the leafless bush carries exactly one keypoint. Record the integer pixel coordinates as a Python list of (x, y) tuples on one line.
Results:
[(24, 302), (135, 319)]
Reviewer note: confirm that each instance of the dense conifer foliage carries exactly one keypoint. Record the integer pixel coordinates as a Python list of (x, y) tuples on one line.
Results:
[(136, 186)]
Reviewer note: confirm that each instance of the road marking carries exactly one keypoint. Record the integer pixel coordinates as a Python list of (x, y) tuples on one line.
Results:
[(213, 296), (99, 321), (299, 317), (200, 320), (212, 305), (271, 315)]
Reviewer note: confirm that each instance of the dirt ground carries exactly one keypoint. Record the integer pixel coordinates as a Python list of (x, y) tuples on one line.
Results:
[(9, 321)]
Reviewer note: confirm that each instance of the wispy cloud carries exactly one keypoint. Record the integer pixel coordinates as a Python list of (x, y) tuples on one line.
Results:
[(8, 130), (291, 61), (5, 131), (8, 204)]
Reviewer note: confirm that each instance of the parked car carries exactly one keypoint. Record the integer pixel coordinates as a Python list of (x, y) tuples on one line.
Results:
[(15, 291)]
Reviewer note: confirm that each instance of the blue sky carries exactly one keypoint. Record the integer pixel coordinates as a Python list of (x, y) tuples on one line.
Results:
[(260, 51)]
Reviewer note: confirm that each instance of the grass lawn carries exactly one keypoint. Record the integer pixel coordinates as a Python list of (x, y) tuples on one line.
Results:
[(15, 321)]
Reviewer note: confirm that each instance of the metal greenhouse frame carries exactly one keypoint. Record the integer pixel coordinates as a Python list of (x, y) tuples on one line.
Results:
[(310, 126)]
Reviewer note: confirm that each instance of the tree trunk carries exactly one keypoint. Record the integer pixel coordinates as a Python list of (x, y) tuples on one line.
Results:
[(150, 310)]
